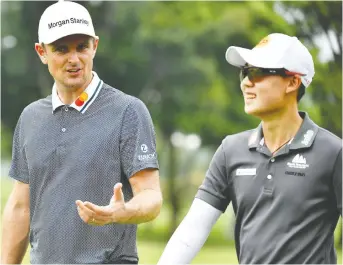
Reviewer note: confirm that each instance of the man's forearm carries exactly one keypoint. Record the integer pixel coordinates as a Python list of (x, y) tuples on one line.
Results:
[(15, 231), (143, 207)]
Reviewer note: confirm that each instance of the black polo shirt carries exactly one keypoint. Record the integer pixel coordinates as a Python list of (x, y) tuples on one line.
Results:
[(287, 205)]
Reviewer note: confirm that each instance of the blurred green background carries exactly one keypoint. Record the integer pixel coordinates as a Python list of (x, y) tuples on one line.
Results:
[(171, 56)]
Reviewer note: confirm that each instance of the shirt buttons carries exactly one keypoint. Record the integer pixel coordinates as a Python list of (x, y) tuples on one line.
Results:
[(272, 160), (66, 108), (64, 129), (269, 177)]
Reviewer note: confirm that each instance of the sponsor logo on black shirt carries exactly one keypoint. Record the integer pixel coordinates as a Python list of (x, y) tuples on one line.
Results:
[(300, 174)]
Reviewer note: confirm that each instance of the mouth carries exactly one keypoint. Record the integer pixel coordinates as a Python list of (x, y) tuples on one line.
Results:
[(249, 96), (74, 70)]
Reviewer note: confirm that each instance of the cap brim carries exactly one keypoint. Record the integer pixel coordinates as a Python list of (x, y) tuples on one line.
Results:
[(239, 57), (57, 37)]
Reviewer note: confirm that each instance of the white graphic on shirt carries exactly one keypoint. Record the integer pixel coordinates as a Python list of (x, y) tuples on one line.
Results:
[(147, 157), (298, 162), (144, 148), (246, 171), (307, 137)]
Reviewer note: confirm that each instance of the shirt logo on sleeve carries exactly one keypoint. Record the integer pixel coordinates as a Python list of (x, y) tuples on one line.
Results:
[(147, 157), (298, 162), (246, 171), (144, 148)]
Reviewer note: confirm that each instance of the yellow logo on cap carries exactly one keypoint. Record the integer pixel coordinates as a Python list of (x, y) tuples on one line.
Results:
[(263, 42)]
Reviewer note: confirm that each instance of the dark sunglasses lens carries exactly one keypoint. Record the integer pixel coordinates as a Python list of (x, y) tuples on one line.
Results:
[(242, 74), (252, 73)]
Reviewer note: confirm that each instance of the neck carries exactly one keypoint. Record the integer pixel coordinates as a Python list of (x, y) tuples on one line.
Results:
[(280, 127), (69, 94)]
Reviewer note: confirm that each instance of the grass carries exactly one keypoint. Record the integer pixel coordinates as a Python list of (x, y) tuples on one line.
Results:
[(150, 252)]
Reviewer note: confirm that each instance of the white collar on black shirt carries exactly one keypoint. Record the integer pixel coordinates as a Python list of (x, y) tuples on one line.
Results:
[(92, 91)]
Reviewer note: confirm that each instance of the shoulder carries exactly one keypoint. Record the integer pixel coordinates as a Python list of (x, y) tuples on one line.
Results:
[(126, 100), (325, 135), (238, 140), (327, 139), (234, 144), (132, 108), (37, 107)]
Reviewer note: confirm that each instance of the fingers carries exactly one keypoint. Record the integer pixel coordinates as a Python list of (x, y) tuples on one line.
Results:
[(118, 193), (91, 217), (96, 221), (93, 214), (85, 213), (98, 210)]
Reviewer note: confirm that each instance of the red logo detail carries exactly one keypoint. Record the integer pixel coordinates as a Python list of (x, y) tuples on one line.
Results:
[(79, 102)]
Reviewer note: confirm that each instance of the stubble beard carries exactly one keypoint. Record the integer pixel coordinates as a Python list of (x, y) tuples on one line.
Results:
[(74, 85)]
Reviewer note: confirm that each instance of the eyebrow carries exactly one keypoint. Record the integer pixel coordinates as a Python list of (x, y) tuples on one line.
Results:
[(84, 42), (54, 45)]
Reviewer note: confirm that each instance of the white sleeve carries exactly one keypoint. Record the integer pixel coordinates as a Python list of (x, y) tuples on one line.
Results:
[(191, 234)]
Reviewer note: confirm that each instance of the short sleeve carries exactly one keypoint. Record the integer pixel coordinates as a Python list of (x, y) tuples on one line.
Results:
[(19, 167), (337, 181), (215, 188), (137, 140)]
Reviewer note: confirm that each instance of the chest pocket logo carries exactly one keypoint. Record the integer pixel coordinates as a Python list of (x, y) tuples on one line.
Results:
[(246, 172)]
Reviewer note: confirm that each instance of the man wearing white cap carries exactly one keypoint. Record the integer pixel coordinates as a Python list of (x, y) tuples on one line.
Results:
[(84, 158), (284, 178)]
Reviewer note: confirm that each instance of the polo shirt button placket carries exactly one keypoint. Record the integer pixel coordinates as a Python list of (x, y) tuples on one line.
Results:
[(64, 109), (268, 185), (272, 160)]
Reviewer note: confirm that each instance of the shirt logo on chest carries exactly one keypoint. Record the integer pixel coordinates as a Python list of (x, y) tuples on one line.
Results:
[(298, 162)]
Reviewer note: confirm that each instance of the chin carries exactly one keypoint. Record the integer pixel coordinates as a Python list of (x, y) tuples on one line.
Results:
[(75, 83), (254, 111), (250, 111)]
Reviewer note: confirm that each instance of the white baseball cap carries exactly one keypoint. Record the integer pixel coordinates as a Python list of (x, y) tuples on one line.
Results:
[(62, 19), (276, 51)]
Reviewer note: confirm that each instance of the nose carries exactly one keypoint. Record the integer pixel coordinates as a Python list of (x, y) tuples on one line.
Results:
[(246, 82), (73, 57)]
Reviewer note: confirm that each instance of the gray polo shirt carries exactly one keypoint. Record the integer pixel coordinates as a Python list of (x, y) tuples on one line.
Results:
[(286, 205), (69, 153)]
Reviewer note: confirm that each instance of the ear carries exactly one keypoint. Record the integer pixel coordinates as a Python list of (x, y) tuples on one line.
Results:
[(41, 51), (294, 84), (95, 45)]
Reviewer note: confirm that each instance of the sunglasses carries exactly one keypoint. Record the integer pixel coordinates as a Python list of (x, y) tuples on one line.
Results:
[(255, 73)]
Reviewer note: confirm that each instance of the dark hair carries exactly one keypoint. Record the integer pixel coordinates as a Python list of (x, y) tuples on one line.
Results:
[(301, 91)]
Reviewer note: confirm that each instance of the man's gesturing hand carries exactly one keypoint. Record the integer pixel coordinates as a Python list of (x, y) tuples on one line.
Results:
[(115, 212)]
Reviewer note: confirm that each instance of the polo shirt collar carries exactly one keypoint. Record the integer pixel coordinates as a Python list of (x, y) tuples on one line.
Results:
[(256, 137), (303, 138), (92, 91), (306, 134)]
